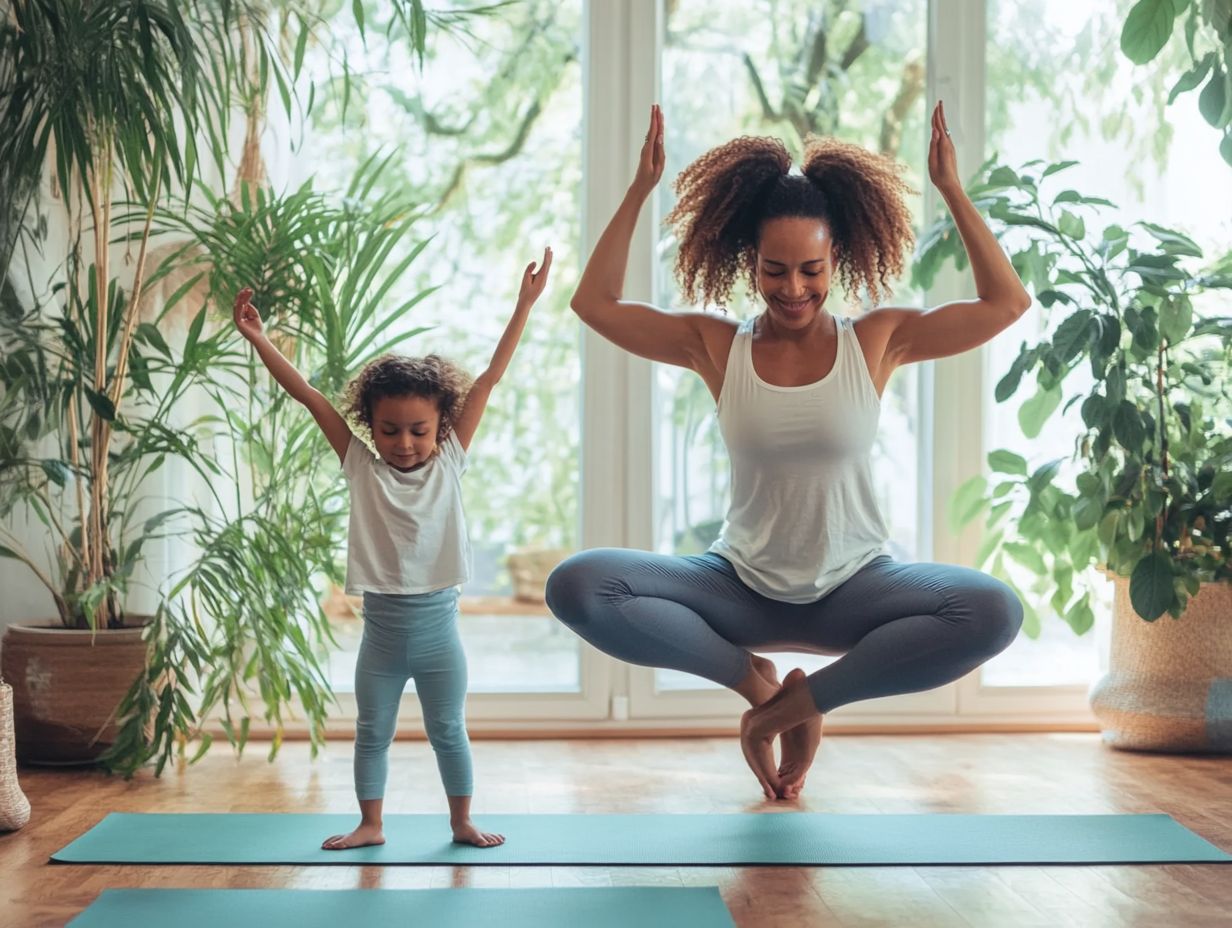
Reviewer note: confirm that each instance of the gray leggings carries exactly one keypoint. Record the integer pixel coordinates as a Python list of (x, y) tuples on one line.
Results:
[(900, 627)]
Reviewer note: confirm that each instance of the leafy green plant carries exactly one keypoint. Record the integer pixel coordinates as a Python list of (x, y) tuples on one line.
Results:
[(1151, 471), (108, 98), (108, 109), (113, 102), (44, 460), (1208, 39)]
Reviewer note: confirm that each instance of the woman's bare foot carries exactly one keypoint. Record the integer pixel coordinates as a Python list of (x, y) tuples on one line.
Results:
[(367, 834), (465, 832), (799, 746), (766, 670), (760, 683), (758, 748)]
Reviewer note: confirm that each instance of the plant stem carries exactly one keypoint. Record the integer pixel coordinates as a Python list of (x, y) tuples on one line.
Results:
[(75, 456)]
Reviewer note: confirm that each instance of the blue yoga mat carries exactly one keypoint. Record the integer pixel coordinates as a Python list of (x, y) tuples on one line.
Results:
[(792, 838), (597, 907)]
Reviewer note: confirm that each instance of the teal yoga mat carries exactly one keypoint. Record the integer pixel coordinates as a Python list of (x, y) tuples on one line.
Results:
[(597, 907), (791, 838)]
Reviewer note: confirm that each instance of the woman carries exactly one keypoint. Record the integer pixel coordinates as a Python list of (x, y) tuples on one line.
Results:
[(800, 563)]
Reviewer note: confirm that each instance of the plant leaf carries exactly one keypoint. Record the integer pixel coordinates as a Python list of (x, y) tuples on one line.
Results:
[(1192, 78), (1007, 462), (1212, 99), (1150, 586), (102, 405), (1035, 412), (1147, 29)]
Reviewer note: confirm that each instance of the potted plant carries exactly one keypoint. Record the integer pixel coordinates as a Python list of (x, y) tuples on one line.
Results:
[(103, 97), (105, 107), (1146, 494)]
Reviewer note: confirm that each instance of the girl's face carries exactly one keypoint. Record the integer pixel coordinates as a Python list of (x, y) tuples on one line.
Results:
[(404, 430), (794, 266)]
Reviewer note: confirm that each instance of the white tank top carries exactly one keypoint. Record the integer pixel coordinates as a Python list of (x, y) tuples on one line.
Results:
[(803, 516)]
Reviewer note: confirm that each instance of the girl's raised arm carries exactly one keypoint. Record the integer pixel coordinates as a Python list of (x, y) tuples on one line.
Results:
[(533, 283), (248, 321)]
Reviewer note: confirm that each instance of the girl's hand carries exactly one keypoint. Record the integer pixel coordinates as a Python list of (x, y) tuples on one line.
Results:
[(942, 161), (247, 319), (534, 281), (650, 163)]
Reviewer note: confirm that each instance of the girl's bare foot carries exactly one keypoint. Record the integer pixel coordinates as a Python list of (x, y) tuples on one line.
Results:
[(367, 834), (465, 832), (799, 746)]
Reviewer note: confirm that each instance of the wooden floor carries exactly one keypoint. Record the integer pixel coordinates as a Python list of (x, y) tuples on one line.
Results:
[(1011, 773)]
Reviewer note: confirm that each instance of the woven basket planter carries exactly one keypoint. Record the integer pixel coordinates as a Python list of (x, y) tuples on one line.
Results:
[(67, 685), (14, 806), (1169, 683)]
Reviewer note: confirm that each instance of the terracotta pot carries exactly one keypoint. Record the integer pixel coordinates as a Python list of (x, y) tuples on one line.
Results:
[(67, 684), (1169, 683)]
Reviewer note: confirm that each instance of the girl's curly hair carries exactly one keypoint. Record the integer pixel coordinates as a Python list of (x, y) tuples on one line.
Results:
[(729, 192), (431, 377)]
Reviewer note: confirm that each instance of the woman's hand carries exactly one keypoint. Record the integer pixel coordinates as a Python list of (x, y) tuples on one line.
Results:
[(650, 163), (942, 161), (247, 319), (534, 281)]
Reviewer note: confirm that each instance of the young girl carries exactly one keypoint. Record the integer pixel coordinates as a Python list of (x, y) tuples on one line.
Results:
[(408, 550)]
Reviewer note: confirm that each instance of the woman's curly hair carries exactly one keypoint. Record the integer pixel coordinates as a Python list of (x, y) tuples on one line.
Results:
[(431, 377), (726, 195)]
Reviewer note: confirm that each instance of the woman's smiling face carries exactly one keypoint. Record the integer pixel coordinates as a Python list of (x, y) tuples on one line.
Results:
[(794, 266)]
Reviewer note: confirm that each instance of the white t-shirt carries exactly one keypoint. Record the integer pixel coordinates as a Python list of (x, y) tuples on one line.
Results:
[(407, 531)]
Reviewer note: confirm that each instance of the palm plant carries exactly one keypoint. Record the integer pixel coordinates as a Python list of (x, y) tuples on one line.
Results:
[(110, 98), (109, 112)]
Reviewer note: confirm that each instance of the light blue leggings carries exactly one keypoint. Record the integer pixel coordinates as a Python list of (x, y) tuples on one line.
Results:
[(901, 628), (411, 636)]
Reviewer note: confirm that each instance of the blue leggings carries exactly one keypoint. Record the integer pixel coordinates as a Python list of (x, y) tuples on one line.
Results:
[(900, 628), (409, 636)]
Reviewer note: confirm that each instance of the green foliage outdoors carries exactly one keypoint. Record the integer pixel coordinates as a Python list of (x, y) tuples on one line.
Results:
[(1207, 29)]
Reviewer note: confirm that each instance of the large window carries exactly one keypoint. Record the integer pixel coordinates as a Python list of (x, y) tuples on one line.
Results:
[(522, 130)]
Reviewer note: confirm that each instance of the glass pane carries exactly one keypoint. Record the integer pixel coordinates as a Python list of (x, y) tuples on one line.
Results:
[(784, 68), (1059, 88), (488, 136)]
